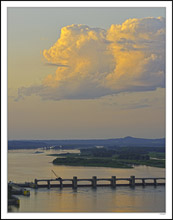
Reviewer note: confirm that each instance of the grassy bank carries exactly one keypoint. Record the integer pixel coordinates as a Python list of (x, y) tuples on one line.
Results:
[(123, 157), (100, 162), (72, 161)]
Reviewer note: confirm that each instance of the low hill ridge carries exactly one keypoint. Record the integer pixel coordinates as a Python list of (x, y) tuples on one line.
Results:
[(126, 141)]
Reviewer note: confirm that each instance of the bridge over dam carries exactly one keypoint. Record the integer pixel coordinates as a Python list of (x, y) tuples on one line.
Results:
[(94, 182)]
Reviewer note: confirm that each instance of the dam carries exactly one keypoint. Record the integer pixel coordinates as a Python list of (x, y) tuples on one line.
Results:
[(94, 182)]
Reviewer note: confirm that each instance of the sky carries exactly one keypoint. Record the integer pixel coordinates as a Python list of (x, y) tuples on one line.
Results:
[(82, 73)]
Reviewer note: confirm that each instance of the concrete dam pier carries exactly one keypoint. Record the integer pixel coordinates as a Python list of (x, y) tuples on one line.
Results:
[(94, 182)]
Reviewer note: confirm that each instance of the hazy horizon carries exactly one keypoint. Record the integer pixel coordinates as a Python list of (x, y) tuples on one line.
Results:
[(83, 139)]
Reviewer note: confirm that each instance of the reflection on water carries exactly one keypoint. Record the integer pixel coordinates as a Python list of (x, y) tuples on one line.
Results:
[(102, 199), (24, 165)]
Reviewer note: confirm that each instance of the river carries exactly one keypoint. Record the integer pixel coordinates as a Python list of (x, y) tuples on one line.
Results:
[(26, 165)]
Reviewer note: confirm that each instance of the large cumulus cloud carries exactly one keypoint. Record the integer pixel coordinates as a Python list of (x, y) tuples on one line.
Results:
[(93, 62)]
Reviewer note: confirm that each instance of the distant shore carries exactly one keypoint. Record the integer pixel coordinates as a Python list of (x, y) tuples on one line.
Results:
[(120, 158)]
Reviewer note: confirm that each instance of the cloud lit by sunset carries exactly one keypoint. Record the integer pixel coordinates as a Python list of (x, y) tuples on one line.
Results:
[(94, 62)]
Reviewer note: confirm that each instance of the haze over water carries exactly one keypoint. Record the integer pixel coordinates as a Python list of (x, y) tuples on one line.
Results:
[(24, 165)]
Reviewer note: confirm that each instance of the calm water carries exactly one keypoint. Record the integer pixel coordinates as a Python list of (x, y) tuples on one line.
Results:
[(25, 165)]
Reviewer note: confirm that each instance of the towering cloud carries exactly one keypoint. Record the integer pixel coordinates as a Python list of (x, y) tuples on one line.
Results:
[(93, 62)]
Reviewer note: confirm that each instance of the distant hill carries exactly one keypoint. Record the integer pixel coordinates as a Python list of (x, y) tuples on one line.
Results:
[(72, 144), (12, 145)]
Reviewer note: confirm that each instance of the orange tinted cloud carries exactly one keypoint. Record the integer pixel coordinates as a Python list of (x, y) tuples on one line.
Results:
[(93, 62)]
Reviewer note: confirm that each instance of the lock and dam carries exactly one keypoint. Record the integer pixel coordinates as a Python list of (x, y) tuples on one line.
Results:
[(94, 182)]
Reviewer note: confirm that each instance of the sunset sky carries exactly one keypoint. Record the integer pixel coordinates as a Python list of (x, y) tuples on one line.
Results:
[(81, 73)]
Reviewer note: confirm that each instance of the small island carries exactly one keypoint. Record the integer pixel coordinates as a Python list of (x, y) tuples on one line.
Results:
[(38, 152), (115, 157)]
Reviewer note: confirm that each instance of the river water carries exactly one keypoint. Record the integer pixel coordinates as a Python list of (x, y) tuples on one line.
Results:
[(26, 165)]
